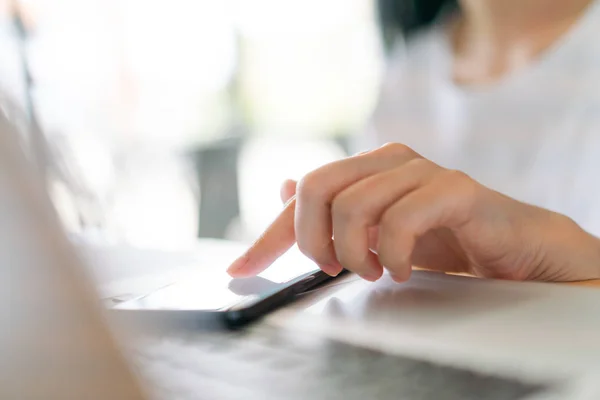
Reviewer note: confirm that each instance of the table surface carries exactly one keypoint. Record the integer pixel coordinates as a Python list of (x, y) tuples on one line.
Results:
[(124, 270), (591, 283)]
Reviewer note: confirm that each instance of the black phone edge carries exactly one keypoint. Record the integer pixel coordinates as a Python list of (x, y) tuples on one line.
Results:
[(237, 318), (232, 319)]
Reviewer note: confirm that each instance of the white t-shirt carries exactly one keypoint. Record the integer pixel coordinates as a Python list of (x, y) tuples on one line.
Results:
[(534, 136)]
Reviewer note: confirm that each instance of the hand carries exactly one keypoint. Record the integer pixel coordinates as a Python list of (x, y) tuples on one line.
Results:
[(391, 208)]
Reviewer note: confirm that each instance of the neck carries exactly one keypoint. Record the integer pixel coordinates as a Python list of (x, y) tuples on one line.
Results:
[(495, 37), (506, 21)]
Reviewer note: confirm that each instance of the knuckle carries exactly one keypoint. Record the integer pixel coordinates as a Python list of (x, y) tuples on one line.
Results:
[(420, 163), (462, 184), (347, 207), (310, 186), (396, 149), (456, 176)]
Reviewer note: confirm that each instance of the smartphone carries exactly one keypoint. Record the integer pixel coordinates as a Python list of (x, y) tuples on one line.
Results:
[(214, 297)]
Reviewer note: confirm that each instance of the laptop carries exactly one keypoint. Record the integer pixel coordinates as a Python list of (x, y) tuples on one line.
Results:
[(57, 342)]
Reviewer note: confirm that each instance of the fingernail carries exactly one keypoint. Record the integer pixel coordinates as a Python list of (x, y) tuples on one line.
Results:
[(238, 265), (369, 277), (331, 270)]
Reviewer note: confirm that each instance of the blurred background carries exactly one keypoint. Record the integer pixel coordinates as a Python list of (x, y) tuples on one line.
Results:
[(179, 119)]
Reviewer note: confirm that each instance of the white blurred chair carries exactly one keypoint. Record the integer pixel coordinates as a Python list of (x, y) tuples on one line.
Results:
[(145, 198)]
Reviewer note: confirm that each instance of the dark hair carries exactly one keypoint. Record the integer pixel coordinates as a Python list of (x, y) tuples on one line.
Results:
[(405, 17)]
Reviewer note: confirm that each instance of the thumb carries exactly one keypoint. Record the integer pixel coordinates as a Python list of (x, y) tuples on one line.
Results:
[(288, 190)]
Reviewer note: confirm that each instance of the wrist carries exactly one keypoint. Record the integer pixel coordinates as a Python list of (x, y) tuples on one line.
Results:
[(569, 252), (593, 247)]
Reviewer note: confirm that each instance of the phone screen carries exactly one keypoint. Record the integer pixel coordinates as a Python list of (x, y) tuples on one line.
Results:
[(214, 290)]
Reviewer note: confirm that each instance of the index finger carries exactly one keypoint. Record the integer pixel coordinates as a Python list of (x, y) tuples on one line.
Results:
[(272, 244)]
